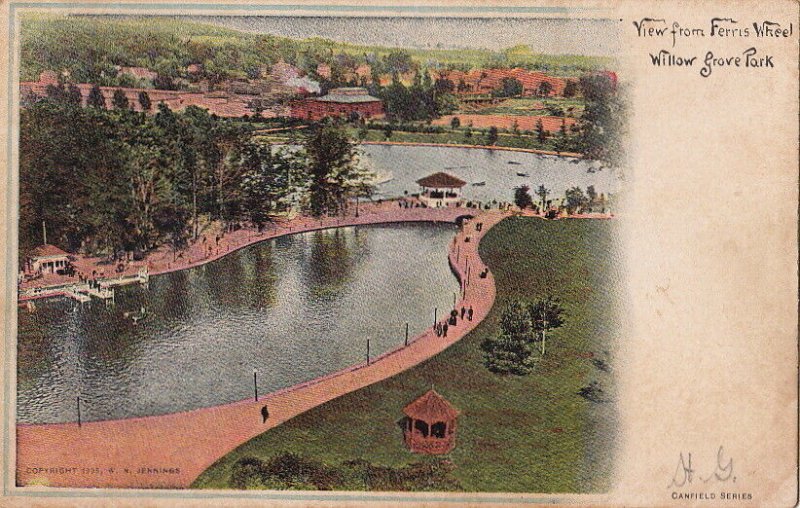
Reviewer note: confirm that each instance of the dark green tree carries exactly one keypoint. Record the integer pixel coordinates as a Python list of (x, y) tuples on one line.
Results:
[(120, 100), (541, 134), (603, 123), (511, 351), (545, 89), (265, 181), (563, 143), (73, 95), (96, 98), (455, 123), (492, 136), (444, 85), (591, 194), (332, 166), (576, 200), (543, 192), (509, 87), (570, 88), (144, 101), (522, 197), (398, 62)]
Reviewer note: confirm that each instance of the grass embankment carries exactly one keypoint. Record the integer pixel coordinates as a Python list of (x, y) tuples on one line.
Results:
[(458, 137), (529, 106), (534, 433), (449, 137)]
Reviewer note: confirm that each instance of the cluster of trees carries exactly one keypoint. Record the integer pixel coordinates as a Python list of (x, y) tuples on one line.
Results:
[(293, 471), (512, 87), (105, 181), (575, 199), (522, 326), (424, 100), (509, 87), (603, 123)]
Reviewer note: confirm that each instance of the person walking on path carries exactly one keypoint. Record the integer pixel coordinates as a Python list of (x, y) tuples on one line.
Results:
[(264, 414), (469, 313), (444, 330), (463, 311)]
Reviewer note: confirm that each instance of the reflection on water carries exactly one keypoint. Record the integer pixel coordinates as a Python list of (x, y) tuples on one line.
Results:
[(294, 308)]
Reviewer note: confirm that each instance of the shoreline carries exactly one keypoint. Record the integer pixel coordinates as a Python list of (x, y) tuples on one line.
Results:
[(294, 226), (212, 432), (572, 155), (239, 239)]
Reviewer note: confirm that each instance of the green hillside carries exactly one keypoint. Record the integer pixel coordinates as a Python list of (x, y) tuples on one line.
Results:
[(90, 47)]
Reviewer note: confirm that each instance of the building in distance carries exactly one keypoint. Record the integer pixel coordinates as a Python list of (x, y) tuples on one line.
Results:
[(339, 102)]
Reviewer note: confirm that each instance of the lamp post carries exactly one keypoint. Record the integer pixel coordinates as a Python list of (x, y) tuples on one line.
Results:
[(255, 384), (406, 334), (79, 411), (367, 351)]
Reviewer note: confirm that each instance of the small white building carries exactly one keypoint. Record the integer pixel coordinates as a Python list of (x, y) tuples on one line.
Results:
[(48, 259), (440, 190)]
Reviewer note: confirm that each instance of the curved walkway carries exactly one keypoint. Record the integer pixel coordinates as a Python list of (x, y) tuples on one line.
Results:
[(170, 451)]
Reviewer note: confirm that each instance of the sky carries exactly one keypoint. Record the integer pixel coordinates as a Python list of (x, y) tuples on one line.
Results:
[(594, 37)]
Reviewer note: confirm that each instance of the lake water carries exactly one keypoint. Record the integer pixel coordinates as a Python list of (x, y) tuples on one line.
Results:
[(407, 164), (293, 308)]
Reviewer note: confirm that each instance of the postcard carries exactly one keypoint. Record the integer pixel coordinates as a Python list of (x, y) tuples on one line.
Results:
[(400, 254)]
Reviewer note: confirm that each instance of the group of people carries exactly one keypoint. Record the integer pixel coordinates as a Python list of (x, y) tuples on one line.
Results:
[(408, 204), (441, 327)]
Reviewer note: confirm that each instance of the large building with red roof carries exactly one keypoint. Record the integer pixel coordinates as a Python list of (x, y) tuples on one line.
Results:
[(339, 102)]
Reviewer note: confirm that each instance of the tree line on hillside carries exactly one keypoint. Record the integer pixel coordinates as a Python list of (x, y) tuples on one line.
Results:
[(92, 50), (105, 181)]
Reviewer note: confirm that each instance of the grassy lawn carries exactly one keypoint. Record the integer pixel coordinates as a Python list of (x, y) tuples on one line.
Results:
[(457, 137), (526, 106), (449, 137), (534, 433)]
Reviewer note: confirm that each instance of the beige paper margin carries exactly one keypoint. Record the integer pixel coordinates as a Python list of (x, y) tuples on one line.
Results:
[(710, 236)]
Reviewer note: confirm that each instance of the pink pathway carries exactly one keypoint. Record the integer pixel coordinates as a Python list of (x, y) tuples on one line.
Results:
[(170, 451)]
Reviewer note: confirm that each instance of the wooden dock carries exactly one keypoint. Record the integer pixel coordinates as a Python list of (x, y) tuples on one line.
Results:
[(104, 290)]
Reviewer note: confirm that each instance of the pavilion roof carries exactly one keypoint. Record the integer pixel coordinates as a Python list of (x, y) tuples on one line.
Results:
[(441, 180), (431, 407), (351, 94), (47, 250)]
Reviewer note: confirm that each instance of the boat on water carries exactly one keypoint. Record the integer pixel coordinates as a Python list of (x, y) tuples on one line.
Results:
[(520, 173), (478, 184), (514, 163)]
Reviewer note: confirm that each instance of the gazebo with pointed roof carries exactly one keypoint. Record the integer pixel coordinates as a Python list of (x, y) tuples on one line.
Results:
[(440, 189), (430, 424)]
